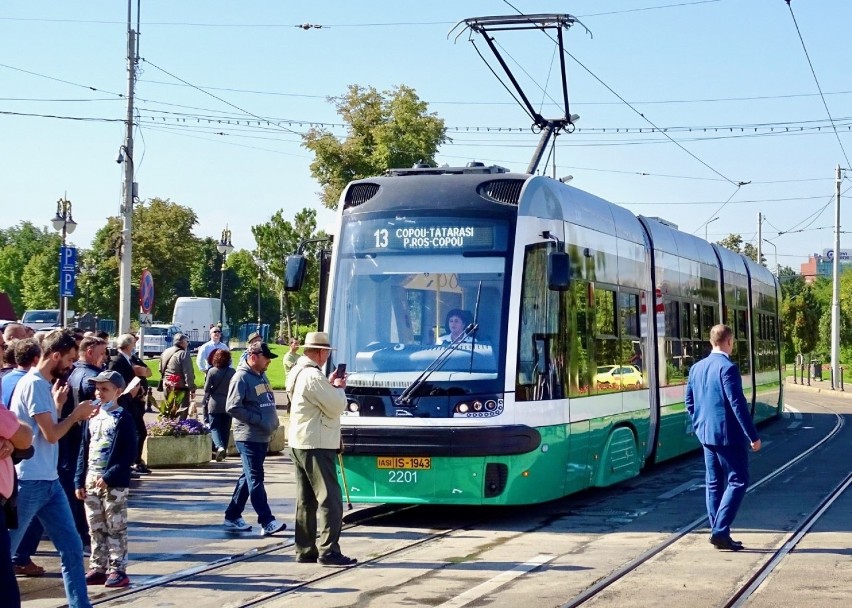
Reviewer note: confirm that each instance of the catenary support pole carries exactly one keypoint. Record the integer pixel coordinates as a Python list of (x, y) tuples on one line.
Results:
[(835, 291), (127, 199)]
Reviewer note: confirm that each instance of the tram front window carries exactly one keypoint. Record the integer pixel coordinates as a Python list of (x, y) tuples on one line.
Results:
[(395, 313)]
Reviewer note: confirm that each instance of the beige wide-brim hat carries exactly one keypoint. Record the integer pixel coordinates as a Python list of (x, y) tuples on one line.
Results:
[(317, 339)]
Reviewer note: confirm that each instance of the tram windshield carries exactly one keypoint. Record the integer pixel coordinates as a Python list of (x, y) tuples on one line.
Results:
[(397, 306)]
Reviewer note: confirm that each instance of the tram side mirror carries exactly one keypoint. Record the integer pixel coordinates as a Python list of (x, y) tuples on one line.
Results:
[(294, 272), (558, 271)]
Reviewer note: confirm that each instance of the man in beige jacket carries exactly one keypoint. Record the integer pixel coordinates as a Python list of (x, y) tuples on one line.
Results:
[(317, 403)]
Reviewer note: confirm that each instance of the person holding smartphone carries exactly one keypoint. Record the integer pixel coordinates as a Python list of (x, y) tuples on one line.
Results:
[(316, 404)]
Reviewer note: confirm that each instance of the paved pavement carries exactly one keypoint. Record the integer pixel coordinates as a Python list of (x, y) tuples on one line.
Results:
[(175, 525)]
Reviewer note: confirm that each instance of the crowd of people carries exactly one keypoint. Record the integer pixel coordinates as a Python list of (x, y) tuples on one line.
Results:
[(72, 423)]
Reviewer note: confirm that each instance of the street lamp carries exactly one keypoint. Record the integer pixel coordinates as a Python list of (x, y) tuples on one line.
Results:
[(707, 224), (777, 268), (224, 247), (65, 224)]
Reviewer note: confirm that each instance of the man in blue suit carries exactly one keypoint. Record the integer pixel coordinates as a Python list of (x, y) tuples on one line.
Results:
[(722, 423)]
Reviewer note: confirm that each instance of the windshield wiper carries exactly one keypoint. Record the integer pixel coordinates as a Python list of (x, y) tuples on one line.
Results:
[(437, 362), (405, 397)]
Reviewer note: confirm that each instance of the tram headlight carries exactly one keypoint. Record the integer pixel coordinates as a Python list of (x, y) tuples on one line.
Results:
[(491, 405), (462, 408), (353, 406), (477, 406)]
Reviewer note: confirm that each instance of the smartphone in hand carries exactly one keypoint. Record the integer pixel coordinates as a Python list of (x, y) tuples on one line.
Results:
[(341, 370)]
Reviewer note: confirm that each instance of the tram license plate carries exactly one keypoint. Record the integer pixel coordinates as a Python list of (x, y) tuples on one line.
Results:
[(404, 462)]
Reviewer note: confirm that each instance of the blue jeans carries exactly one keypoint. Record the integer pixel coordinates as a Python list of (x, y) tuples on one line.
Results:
[(29, 543), (250, 483), (46, 500), (12, 597), (220, 429)]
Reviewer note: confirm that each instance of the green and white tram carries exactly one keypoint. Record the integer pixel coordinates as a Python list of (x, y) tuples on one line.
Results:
[(580, 322)]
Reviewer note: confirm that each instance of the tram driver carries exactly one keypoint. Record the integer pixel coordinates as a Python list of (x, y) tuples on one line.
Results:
[(457, 321)]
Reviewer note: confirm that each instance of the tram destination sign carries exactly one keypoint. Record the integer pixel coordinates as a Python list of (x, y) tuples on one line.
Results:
[(425, 234)]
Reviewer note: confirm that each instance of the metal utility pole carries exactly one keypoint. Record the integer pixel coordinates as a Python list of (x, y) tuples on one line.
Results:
[(759, 238), (128, 185), (835, 291)]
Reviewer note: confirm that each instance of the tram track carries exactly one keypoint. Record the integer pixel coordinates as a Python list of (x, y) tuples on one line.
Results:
[(236, 558), (744, 591), (282, 548), (296, 583)]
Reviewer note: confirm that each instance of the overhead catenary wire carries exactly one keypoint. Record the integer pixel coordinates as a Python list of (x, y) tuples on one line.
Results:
[(738, 184), (816, 80), (228, 103), (310, 26)]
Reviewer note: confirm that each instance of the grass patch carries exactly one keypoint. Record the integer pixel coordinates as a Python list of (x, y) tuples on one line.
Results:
[(275, 373)]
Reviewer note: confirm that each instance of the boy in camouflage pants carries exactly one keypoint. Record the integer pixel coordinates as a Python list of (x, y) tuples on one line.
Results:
[(103, 481)]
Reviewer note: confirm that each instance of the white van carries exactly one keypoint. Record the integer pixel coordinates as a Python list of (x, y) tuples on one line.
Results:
[(46, 319), (195, 316), (158, 338)]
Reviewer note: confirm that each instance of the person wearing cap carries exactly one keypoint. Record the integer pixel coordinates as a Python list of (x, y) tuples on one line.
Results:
[(215, 343), (251, 404), (252, 338), (316, 404), (178, 376), (103, 480)]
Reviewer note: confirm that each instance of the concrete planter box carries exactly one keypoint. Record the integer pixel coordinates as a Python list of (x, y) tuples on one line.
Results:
[(187, 451), (277, 443)]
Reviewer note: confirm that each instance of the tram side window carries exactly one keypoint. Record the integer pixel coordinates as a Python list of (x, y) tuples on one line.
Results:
[(580, 370), (631, 346), (541, 340), (672, 373), (607, 345)]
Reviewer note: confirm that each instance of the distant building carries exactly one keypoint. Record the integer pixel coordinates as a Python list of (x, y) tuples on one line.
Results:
[(822, 264)]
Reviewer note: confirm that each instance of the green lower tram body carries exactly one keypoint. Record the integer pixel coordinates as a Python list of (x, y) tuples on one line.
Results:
[(592, 453)]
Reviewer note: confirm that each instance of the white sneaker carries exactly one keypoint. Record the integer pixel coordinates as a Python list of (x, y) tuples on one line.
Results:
[(273, 527), (236, 525), (220, 455)]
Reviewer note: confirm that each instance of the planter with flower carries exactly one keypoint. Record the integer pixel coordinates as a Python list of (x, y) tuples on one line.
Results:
[(177, 443)]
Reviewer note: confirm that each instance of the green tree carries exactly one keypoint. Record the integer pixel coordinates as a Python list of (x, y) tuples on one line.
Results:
[(385, 129), (204, 276), (802, 315), (40, 280), (278, 238), (735, 243), (246, 279), (163, 242), (18, 246)]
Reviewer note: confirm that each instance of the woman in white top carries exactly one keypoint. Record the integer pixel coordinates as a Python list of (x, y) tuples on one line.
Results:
[(457, 322)]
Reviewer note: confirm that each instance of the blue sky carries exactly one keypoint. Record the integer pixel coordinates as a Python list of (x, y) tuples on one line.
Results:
[(729, 66)]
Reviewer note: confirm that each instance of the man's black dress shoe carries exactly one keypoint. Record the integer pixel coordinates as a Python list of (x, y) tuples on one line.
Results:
[(725, 543)]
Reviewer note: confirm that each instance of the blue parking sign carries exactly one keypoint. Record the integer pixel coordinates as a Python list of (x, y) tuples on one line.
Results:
[(67, 271)]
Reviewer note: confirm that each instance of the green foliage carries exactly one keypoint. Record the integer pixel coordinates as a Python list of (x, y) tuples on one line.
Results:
[(40, 280), (735, 243), (242, 275), (278, 238), (204, 274), (386, 129), (19, 246), (802, 315), (163, 243)]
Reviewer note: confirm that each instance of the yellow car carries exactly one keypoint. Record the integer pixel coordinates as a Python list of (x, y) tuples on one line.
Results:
[(618, 376)]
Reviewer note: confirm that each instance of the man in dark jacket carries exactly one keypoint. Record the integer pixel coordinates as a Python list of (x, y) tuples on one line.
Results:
[(178, 377), (130, 367), (251, 403), (723, 425)]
